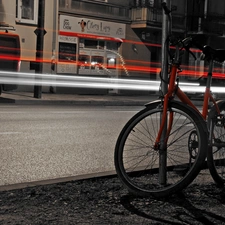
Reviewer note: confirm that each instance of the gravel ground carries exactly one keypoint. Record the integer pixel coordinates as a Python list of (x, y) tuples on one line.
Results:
[(105, 201)]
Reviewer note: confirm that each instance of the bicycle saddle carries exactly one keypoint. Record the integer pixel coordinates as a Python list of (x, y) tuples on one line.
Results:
[(214, 54)]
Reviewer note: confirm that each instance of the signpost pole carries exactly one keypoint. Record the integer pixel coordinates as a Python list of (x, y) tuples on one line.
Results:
[(40, 32)]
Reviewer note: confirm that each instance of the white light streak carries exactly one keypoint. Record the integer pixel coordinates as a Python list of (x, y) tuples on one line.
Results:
[(20, 78)]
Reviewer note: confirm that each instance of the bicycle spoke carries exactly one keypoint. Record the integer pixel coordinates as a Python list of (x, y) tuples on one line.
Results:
[(141, 160)]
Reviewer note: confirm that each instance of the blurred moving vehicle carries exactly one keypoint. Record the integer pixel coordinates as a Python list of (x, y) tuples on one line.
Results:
[(9, 53)]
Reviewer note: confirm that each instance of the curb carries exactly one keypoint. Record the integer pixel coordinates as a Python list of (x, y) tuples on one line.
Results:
[(77, 102), (88, 101)]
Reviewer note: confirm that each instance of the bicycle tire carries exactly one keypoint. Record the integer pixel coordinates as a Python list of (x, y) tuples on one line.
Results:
[(141, 129), (216, 155)]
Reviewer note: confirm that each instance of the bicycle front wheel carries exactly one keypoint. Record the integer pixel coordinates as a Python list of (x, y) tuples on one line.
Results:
[(216, 151), (139, 164)]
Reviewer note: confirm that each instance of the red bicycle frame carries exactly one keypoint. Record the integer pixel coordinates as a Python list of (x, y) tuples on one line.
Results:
[(173, 90)]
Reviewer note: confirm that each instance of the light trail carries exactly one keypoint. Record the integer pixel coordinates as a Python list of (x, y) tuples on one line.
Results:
[(20, 78), (75, 81)]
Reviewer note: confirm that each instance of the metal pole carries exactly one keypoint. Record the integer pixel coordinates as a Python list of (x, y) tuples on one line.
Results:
[(165, 47), (164, 71), (40, 32), (52, 88), (205, 9)]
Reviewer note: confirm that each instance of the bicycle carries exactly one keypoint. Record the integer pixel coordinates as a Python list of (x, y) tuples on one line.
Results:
[(162, 148)]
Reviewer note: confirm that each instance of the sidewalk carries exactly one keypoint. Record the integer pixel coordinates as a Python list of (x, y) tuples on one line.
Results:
[(26, 98), (105, 201)]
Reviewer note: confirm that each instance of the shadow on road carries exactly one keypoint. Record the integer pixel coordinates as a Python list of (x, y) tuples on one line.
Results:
[(199, 204)]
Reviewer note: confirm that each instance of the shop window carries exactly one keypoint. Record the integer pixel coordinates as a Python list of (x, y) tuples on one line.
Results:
[(94, 44), (101, 45), (81, 43), (112, 45), (97, 62), (111, 63), (90, 44), (84, 61), (27, 11)]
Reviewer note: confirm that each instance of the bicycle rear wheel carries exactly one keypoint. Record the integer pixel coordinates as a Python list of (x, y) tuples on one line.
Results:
[(216, 151), (137, 161)]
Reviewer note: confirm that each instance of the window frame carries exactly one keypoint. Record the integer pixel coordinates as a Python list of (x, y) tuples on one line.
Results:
[(19, 18)]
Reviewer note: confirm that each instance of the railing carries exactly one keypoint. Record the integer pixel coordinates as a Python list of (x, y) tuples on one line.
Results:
[(141, 3), (153, 16), (94, 8), (146, 14)]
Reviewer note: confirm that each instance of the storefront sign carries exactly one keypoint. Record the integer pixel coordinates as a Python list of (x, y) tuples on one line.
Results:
[(67, 39), (83, 27)]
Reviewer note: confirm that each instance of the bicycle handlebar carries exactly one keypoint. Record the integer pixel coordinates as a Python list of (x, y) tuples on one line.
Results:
[(187, 43), (166, 9), (209, 53), (191, 42)]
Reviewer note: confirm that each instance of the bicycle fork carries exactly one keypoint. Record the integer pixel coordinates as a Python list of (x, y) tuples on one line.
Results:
[(165, 128), (167, 117), (162, 139)]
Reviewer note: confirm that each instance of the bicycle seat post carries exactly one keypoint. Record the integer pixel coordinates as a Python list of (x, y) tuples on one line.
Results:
[(207, 89)]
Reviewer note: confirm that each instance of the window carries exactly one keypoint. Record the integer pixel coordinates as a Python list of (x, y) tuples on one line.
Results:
[(84, 61), (112, 45), (90, 43), (94, 44), (97, 62), (111, 62), (27, 11)]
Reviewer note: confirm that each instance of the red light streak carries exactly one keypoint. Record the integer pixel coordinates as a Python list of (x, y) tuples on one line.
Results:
[(151, 68), (142, 43), (9, 57), (142, 66)]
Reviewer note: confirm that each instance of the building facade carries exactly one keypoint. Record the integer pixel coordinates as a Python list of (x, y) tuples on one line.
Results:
[(102, 35), (23, 16), (106, 38)]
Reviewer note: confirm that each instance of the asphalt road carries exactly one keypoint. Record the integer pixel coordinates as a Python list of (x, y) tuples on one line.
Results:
[(42, 143)]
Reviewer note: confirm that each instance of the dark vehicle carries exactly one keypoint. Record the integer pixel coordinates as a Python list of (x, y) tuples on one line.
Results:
[(9, 54)]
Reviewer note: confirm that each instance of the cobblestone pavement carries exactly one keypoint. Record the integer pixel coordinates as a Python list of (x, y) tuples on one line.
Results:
[(105, 201)]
